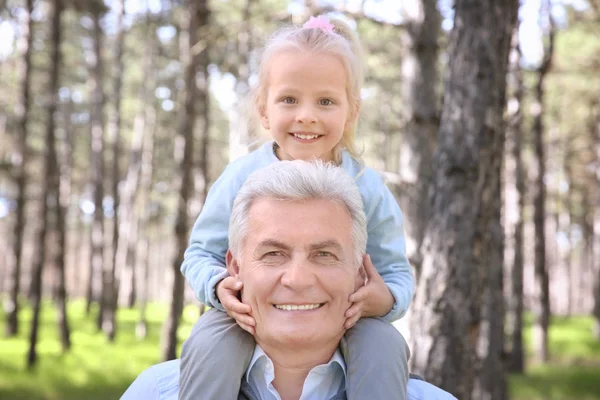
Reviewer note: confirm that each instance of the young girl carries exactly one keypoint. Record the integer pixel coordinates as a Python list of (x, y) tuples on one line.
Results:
[(308, 98)]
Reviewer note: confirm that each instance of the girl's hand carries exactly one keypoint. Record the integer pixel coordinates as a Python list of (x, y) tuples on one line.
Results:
[(374, 299), (228, 293)]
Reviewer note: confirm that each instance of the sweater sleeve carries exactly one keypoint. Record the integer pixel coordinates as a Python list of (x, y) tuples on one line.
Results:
[(204, 260), (386, 246)]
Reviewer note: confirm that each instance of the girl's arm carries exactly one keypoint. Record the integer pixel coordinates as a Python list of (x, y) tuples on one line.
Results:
[(204, 260), (387, 248)]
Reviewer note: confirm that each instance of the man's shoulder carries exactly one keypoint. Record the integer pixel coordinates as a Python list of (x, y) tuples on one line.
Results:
[(160, 381)]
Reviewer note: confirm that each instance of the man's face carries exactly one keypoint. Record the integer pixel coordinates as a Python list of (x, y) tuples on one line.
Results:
[(298, 270)]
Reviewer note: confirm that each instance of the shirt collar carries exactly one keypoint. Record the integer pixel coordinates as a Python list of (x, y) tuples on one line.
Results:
[(259, 353)]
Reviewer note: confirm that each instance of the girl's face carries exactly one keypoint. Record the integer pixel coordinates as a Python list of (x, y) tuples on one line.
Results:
[(306, 107)]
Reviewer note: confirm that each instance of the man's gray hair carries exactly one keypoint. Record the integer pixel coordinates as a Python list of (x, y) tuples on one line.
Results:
[(299, 180)]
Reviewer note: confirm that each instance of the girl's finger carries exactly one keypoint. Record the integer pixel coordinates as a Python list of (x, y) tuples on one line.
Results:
[(352, 311), (241, 308), (350, 322), (247, 328), (360, 295), (244, 318), (230, 283)]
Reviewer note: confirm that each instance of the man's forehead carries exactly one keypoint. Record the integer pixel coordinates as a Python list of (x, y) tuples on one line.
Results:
[(311, 222)]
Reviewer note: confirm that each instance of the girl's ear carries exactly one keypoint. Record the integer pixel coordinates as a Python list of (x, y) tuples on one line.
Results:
[(232, 265), (353, 113), (262, 112)]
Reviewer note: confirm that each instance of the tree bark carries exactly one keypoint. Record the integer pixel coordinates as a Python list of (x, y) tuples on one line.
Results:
[(63, 170), (541, 308), (114, 127), (572, 269), (98, 267), (596, 228), (195, 20), (146, 177), (239, 132), (49, 165), (128, 223), (142, 250), (419, 136), (461, 256), (20, 158), (514, 203)]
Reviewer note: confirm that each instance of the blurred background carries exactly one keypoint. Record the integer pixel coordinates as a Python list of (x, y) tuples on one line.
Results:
[(121, 113)]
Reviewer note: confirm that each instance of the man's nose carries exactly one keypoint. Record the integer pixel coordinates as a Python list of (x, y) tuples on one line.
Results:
[(298, 275), (306, 114)]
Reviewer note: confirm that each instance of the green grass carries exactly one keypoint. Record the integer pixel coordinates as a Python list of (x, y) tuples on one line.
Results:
[(96, 369), (574, 368)]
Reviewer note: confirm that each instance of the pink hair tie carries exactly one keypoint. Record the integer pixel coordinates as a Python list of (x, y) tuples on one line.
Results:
[(319, 22)]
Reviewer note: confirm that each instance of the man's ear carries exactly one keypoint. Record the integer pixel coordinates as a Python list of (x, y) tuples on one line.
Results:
[(361, 278), (232, 265)]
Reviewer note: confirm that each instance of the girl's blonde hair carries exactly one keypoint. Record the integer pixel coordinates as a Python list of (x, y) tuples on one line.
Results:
[(343, 43)]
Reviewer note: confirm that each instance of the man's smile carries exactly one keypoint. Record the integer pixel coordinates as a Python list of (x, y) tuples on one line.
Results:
[(298, 307)]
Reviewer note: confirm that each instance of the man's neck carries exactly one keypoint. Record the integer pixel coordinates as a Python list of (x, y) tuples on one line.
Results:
[(292, 367)]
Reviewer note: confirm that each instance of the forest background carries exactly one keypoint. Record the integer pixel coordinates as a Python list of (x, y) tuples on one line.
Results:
[(483, 117)]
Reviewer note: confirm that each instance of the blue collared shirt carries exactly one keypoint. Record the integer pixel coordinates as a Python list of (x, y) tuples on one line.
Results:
[(323, 381), (161, 382)]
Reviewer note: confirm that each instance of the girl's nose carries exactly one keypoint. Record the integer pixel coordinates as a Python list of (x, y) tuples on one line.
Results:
[(306, 115)]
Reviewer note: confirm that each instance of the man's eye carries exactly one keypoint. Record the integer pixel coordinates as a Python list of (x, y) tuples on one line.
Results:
[(288, 100), (273, 254), (325, 102), (324, 254)]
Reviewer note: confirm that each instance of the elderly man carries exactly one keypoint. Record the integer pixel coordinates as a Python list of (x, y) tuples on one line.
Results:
[(297, 237)]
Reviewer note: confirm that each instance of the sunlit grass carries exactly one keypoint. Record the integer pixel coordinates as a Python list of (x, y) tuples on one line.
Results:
[(96, 369), (574, 368)]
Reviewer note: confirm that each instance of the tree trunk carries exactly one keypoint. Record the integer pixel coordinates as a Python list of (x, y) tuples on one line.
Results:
[(63, 170), (239, 132), (146, 176), (514, 203), (541, 308), (461, 256), (49, 165), (596, 228), (571, 268), (109, 321), (130, 225), (195, 21), (419, 136), (128, 221), (142, 250), (20, 157), (98, 267)]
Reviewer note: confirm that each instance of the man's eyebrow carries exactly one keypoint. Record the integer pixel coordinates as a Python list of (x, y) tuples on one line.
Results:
[(273, 243), (326, 244)]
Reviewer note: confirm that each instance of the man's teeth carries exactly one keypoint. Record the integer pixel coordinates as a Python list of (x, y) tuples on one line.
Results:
[(294, 307), (306, 137)]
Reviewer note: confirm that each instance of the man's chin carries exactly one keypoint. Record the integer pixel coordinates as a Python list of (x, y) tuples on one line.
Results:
[(301, 336)]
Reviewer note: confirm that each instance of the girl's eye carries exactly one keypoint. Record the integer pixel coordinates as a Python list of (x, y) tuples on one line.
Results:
[(325, 102), (288, 100)]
